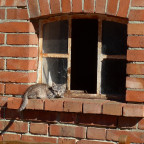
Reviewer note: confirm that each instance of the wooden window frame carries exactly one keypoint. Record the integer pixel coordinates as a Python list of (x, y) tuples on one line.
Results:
[(101, 57)]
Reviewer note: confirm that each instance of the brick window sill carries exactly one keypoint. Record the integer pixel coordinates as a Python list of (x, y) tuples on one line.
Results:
[(86, 106)]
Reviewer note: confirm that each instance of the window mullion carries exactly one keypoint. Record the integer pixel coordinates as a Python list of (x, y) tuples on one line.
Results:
[(69, 53), (40, 52), (99, 60)]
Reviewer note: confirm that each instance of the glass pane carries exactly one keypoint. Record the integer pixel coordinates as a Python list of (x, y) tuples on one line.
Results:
[(84, 55), (57, 68), (55, 37), (113, 77), (114, 38)]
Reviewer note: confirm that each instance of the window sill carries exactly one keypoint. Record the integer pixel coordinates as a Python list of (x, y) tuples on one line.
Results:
[(85, 106)]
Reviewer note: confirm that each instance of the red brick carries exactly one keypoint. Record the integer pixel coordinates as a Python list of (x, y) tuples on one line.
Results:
[(18, 51), (44, 7), (100, 6), (135, 68), (135, 136), (14, 3), (14, 103), (137, 29), (39, 139), (16, 64), (136, 15), (96, 133), (68, 118), (77, 5), (16, 89), (2, 38), (35, 104), (93, 106), (2, 13), (89, 6), (72, 106), (12, 114), (1, 63), (21, 127), (135, 55), (3, 101), (16, 27), (137, 3), (135, 41), (97, 120), (2, 88), (68, 131), (66, 6), (112, 7), (55, 6), (141, 124), (93, 142), (36, 115), (132, 82), (128, 122), (22, 39), (123, 8), (33, 8), (11, 137), (133, 110), (38, 128), (54, 105), (66, 141), (112, 108), (22, 77), (19, 14), (134, 96)]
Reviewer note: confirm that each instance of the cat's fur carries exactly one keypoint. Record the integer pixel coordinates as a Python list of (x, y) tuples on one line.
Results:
[(42, 91)]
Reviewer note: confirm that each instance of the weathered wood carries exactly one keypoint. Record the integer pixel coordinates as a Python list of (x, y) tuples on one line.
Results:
[(124, 139), (123, 57), (99, 59), (82, 94), (69, 54), (54, 55)]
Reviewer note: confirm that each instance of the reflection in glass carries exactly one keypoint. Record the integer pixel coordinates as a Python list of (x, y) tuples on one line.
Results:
[(113, 77), (57, 68), (114, 38), (55, 37)]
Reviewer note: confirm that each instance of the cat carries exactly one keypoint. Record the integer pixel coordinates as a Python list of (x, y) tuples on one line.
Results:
[(43, 91)]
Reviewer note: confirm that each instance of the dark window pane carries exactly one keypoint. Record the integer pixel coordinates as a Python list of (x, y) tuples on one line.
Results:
[(84, 55), (55, 37), (57, 68), (113, 77), (114, 38)]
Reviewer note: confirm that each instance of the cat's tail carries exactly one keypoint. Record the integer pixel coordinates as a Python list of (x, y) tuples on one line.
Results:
[(24, 103)]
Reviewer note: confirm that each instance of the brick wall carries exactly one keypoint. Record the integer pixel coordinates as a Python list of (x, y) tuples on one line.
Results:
[(66, 121)]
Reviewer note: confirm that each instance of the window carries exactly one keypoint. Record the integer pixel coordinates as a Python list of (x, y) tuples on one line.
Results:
[(87, 53)]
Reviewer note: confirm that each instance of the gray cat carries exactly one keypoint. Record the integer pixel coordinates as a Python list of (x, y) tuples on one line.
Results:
[(43, 91)]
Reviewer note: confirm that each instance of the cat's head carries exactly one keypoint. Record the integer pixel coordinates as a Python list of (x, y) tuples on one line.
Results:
[(58, 89)]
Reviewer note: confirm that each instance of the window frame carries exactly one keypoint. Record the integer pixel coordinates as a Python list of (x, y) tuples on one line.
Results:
[(100, 58)]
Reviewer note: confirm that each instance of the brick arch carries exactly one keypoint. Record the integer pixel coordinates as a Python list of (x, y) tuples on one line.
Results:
[(40, 8)]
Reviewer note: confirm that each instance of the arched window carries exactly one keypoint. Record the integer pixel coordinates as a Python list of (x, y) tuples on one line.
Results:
[(87, 52)]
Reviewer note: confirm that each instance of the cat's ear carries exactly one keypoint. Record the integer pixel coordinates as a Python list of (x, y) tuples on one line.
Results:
[(50, 83), (64, 86), (53, 84)]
